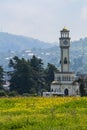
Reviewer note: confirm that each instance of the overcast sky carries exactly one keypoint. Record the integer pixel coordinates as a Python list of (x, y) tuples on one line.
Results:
[(43, 19)]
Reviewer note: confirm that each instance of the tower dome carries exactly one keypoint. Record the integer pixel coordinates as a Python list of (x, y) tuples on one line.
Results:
[(65, 29)]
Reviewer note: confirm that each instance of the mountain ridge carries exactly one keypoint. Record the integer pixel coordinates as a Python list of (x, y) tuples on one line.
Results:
[(11, 41), (26, 47)]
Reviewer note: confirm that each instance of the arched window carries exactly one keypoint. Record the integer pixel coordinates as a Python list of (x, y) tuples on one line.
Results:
[(65, 60), (66, 92)]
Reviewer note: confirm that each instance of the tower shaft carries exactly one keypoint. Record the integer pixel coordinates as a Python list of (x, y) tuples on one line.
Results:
[(64, 47)]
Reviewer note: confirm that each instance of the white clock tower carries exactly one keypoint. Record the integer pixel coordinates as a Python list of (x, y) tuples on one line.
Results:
[(64, 45), (64, 81)]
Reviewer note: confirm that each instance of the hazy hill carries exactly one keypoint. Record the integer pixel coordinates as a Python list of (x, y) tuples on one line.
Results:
[(11, 45), (16, 42)]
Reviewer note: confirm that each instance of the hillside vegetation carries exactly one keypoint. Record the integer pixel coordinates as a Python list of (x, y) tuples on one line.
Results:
[(21, 46), (39, 113)]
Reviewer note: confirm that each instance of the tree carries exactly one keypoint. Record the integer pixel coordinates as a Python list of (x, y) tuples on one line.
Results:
[(27, 76), (36, 64), (82, 90), (1, 77), (38, 73), (49, 74), (21, 78)]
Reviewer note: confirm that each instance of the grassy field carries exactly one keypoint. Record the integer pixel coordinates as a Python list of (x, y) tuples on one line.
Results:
[(39, 113)]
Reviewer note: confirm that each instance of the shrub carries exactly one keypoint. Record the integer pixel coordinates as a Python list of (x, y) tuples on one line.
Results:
[(26, 94), (12, 94), (29, 95), (3, 93)]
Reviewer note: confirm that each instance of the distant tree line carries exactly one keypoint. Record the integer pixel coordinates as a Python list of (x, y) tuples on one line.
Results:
[(30, 77)]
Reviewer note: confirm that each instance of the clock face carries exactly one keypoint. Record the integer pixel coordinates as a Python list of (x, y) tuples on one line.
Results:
[(65, 42)]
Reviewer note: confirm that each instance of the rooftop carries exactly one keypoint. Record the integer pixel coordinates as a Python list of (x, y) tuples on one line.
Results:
[(65, 29)]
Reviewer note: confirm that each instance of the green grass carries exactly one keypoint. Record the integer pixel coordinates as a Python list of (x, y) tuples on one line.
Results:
[(34, 113)]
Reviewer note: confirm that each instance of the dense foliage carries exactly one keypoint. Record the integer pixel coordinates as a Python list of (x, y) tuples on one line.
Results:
[(1, 77), (29, 76)]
